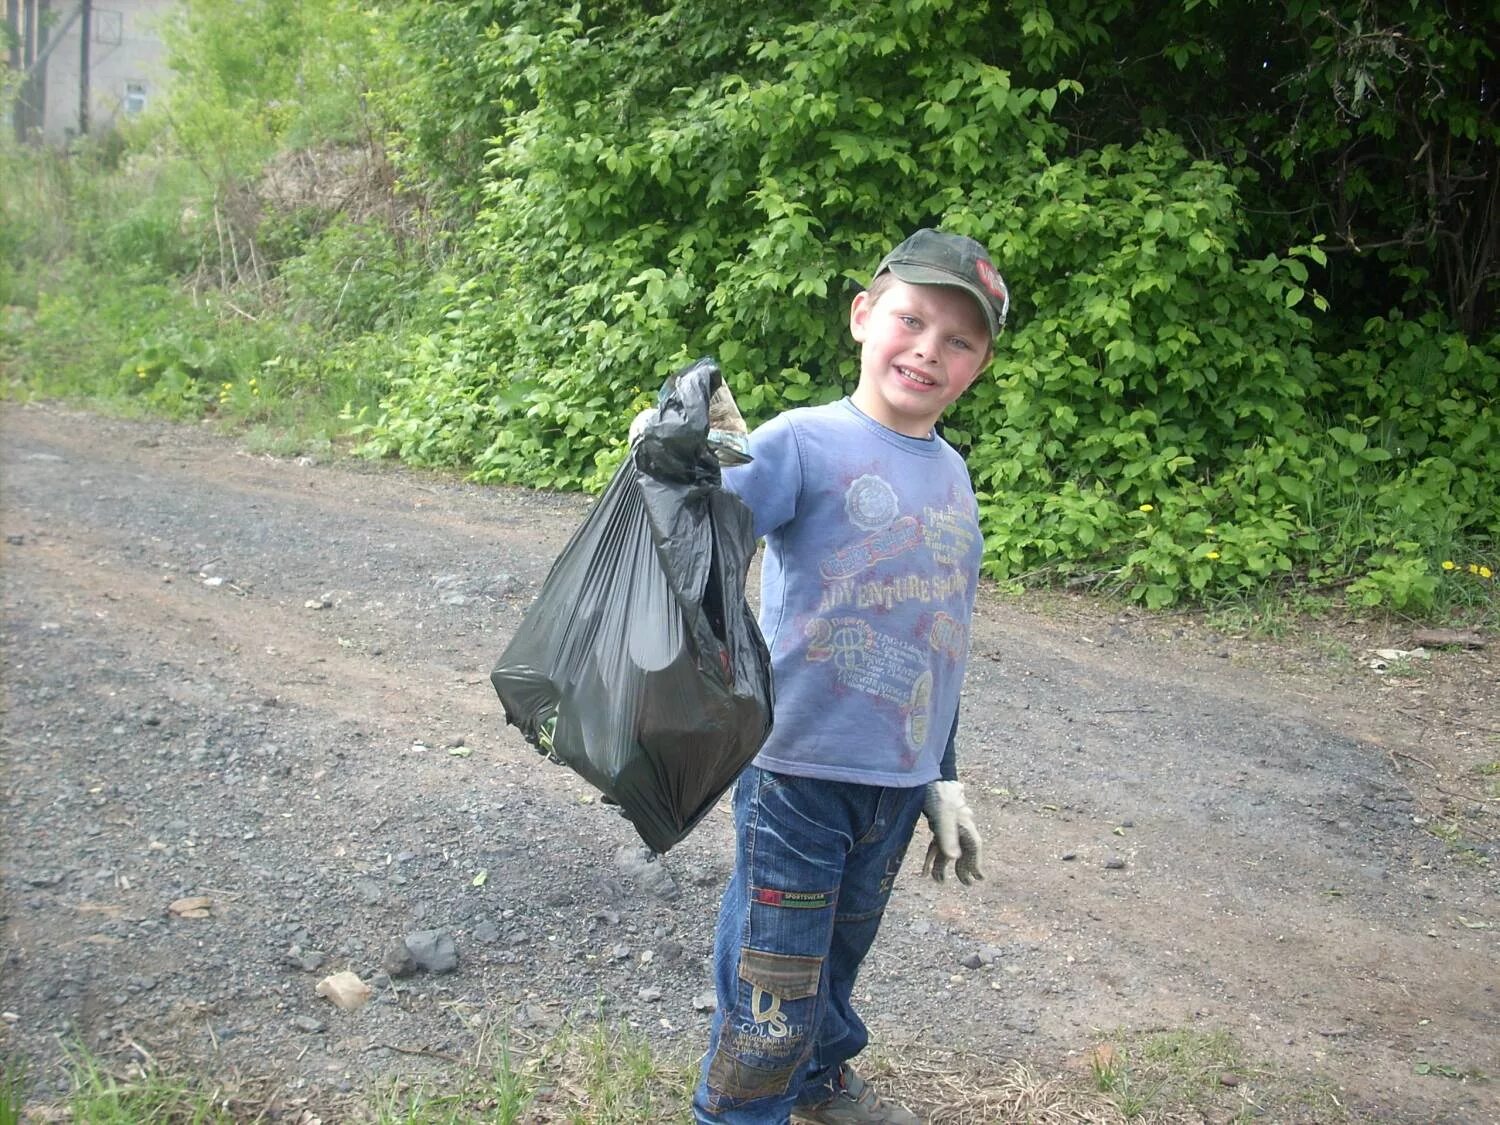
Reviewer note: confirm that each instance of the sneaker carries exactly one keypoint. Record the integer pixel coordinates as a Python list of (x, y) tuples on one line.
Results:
[(854, 1102)]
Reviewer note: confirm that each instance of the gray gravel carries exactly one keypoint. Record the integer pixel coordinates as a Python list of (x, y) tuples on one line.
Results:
[(249, 741)]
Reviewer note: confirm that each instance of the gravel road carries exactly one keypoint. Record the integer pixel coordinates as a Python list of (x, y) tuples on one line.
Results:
[(249, 741)]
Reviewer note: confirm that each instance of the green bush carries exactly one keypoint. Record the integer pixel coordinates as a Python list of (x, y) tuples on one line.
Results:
[(1177, 412)]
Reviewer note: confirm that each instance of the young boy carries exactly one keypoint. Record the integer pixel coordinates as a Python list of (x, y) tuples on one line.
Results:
[(868, 582)]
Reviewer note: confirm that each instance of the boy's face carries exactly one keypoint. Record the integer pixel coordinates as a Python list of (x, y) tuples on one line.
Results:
[(921, 346)]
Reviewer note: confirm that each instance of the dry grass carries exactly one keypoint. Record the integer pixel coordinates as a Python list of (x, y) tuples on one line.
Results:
[(953, 1088)]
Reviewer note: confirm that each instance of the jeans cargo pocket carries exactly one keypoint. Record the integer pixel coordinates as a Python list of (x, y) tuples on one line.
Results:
[(732, 1080), (767, 1035), (781, 974)]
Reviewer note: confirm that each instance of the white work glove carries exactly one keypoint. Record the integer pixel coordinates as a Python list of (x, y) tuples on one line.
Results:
[(639, 423), (954, 838)]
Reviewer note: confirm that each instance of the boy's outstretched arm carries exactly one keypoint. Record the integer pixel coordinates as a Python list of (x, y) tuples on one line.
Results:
[(955, 839)]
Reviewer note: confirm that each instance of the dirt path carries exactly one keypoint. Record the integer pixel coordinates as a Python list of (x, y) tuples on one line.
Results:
[(264, 682)]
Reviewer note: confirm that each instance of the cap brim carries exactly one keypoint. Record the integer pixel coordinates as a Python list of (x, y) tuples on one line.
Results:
[(914, 274)]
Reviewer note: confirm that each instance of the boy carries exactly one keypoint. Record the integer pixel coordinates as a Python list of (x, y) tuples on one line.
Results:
[(868, 583)]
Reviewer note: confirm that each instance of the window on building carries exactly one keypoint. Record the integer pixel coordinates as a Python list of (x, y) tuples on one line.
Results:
[(135, 98), (109, 27)]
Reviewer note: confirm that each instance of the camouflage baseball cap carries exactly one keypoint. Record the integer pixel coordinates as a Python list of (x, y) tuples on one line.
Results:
[(932, 257)]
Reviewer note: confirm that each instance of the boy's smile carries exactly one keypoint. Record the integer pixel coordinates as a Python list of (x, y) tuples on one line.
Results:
[(921, 346)]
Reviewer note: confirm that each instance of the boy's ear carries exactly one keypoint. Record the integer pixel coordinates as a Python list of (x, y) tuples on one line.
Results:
[(859, 315)]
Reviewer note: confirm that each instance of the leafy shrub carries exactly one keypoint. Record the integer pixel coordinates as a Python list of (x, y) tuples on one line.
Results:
[(352, 275), (1177, 411)]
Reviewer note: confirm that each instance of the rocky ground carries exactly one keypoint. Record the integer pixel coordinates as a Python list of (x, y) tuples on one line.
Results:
[(250, 741)]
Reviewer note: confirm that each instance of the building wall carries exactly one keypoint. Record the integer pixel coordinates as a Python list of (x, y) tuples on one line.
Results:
[(127, 65)]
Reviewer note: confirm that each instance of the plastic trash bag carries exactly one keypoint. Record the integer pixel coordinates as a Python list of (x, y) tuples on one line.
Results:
[(640, 665)]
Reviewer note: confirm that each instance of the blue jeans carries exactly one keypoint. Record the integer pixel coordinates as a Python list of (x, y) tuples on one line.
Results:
[(814, 866)]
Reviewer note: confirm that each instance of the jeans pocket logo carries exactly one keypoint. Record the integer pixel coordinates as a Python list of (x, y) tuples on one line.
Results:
[(765, 1009)]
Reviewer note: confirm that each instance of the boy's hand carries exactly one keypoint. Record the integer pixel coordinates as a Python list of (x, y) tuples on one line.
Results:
[(639, 423), (955, 839), (726, 427)]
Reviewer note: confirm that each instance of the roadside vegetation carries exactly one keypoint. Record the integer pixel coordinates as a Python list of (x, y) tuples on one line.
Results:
[(609, 1076), (1252, 364), (1253, 336)]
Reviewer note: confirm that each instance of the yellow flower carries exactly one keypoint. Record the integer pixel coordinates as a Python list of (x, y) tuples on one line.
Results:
[(1146, 508), (1486, 572), (1449, 564), (1212, 555), (1473, 568)]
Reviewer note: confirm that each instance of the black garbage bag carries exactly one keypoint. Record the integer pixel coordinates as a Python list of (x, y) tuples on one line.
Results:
[(640, 665)]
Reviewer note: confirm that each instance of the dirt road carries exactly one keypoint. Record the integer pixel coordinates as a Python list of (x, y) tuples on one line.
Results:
[(263, 683)]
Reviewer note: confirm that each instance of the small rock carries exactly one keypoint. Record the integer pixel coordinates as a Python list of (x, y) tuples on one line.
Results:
[(502, 585), (1229, 1079), (641, 864), (308, 1024), (398, 961), (534, 1016), (1068, 857), (344, 990), (705, 1002), (649, 995), (1114, 863), (308, 960), (432, 950), (192, 906), (487, 932)]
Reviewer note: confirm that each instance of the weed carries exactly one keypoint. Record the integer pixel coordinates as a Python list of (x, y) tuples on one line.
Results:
[(1447, 1070), (498, 1092), (1460, 845), (12, 1090), (1251, 615), (139, 1093), (1489, 775), (1206, 1072)]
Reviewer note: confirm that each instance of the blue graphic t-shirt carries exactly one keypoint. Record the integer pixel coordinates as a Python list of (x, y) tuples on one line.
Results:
[(867, 590)]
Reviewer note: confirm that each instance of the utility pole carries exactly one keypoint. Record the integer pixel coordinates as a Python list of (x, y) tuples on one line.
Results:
[(13, 54), (33, 91), (13, 34), (85, 33)]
